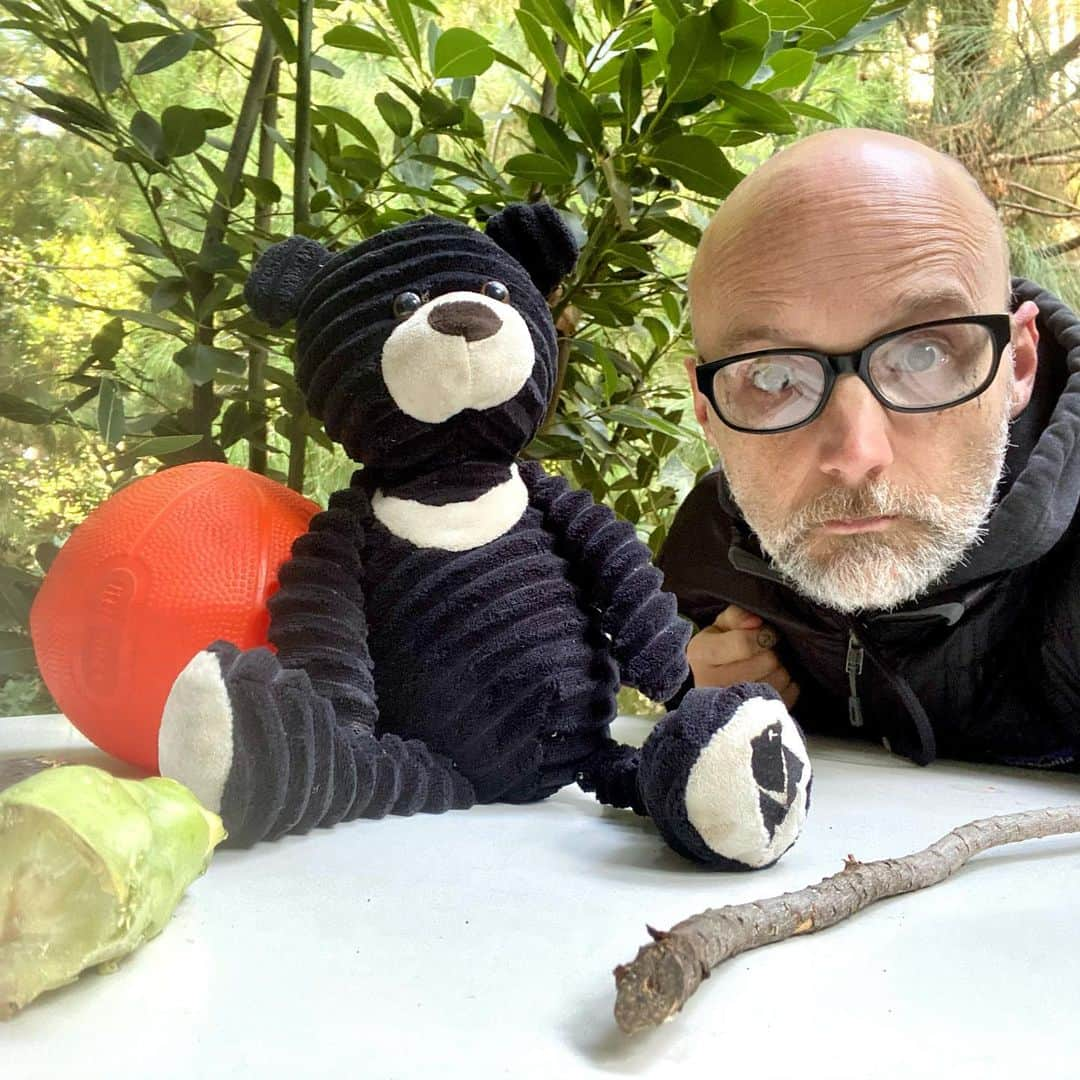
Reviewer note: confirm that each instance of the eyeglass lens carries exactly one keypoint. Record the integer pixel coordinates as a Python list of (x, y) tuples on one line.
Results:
[(922, 369)]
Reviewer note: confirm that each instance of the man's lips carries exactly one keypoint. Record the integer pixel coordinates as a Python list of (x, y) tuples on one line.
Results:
[(858, 525)]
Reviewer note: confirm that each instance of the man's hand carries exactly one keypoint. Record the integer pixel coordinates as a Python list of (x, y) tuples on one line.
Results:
[(738, 647)]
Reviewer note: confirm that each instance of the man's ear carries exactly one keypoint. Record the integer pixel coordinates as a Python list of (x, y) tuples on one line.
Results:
[(1025, 355), (701, 402)]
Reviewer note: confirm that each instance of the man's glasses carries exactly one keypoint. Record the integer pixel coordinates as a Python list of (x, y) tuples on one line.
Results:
[(920, 368)]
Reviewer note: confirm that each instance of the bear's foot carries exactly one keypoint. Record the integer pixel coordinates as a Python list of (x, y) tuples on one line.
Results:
[(726, 777), (257, 744), (223, 735)]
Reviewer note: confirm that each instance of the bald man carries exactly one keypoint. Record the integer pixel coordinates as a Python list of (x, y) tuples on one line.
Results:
[(891, 535)]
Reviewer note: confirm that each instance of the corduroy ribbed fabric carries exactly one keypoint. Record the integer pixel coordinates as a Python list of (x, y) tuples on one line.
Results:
[(455, 626)]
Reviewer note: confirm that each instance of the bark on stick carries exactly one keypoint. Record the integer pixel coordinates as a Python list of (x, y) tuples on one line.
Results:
[(663, 975)]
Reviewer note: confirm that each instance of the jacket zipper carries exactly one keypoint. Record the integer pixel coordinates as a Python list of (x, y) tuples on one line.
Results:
[(853, 666)]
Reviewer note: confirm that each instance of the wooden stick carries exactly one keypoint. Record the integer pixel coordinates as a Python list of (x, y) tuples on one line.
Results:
[(659, 981)]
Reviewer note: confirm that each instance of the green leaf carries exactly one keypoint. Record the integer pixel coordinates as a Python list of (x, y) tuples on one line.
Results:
[(750, 108), (153, 322), (550, 139), (672, 307), (866, 28), (201, 362), (16, 654), (831, 20), (402, 17), (264, 190), (79, 112), (539, 42), (631, 416), (783, 14), (663, 35), (110, 413), (164, 444), (812, 111), (320, 63), (167, 293), (106, 343), (437, 112), (790, 67), (217, 256), (397, 116), (539, 167), (139, 31), (142, 244), (630, 90), (696, 162), (580, 113), (695, 58), (361, 165), (557, 15), (740, 24), (103, 58), (356, 39), (23, 412), (146, 131), (347, 122), (183, 130), (167, 51), (267, 13), (510, 62), (681, 230), (235, 423), (461, 52)]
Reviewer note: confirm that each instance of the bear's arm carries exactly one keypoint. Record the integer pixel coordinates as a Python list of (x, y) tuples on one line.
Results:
[(317, 618), (614, 569)]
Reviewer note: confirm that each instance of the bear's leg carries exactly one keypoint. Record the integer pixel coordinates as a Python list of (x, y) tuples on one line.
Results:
[(255, 742), (725, 778), (611, 774)]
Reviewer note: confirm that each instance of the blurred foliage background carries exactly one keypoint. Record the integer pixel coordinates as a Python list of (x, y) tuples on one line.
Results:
[(152, 150)]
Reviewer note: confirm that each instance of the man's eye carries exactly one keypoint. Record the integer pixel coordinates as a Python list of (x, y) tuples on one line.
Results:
[(496, 290), (406, 303), (771, 378), (918, 357)]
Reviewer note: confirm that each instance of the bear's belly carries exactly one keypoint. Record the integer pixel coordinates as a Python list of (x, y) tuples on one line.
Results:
[(490, 657)]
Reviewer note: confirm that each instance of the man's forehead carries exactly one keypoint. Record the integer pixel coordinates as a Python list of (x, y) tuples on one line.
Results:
[(781, 322)]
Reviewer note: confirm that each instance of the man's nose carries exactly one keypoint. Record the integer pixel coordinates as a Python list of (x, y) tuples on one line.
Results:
[(856, 443)]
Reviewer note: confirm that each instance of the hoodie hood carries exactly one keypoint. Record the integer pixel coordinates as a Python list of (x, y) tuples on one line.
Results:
[(1039, 492)]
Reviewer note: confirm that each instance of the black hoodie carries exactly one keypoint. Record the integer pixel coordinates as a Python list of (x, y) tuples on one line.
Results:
[(986, 667)]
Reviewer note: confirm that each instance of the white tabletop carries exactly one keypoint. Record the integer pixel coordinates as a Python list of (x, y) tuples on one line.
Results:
[(481, 944)]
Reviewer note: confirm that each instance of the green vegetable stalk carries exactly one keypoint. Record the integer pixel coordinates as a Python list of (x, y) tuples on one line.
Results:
[(90, 868)]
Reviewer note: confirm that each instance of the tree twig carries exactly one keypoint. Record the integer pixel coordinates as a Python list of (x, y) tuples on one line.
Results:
[(1051, 250), (664, 974), (1037, 210)]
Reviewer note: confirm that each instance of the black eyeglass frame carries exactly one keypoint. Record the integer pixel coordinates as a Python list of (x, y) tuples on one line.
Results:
[(857, 363)]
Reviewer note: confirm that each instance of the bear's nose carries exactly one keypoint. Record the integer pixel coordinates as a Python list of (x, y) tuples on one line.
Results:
[(465, 318)]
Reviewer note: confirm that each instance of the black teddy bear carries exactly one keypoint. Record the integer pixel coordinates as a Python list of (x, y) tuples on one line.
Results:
[(454, 628)]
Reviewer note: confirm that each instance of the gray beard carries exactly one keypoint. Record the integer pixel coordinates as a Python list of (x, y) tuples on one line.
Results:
[(879, 571)]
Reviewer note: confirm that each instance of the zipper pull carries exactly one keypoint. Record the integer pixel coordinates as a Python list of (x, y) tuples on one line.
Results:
[(853, 665)]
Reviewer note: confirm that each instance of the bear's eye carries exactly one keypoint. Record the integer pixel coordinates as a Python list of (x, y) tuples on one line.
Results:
[(406, 303), (496, 290)]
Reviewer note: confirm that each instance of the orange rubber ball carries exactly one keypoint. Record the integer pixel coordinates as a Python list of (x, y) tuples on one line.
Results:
[(157, 572)]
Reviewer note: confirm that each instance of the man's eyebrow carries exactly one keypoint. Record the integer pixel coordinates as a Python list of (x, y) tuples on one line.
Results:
[(915, 304)]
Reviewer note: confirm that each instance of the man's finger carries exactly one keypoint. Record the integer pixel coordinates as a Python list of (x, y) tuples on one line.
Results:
[(790, 696), (736, 618), (718, 648), (756, 669)]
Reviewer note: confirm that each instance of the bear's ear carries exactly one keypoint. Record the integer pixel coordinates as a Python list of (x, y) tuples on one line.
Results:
[(281, 276), (535, 235)]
